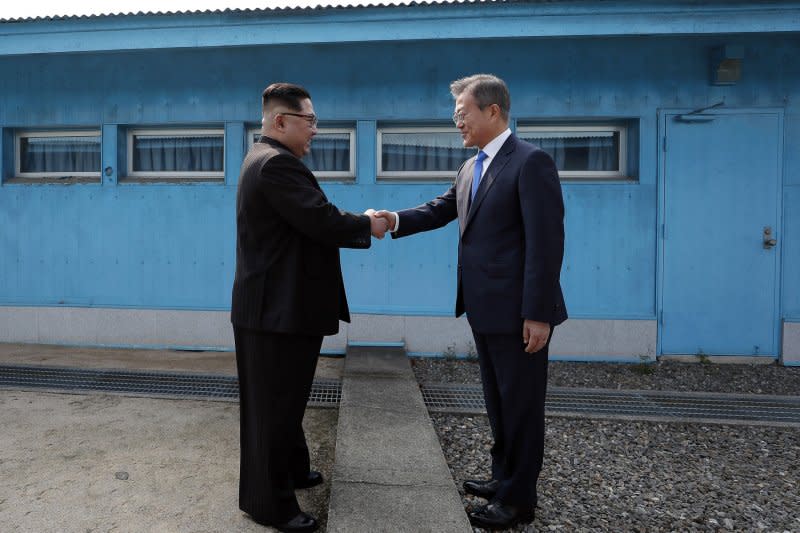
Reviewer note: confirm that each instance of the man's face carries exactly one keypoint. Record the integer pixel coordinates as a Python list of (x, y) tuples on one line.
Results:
[(474, 123), (298, 130)]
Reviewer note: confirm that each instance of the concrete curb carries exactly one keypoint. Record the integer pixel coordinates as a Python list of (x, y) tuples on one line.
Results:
[(389, 473)]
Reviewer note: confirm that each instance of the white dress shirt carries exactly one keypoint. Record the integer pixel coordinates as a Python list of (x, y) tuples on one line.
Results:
[(492, 148)]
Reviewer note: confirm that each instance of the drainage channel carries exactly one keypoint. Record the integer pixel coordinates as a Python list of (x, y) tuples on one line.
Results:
[(439, 397), (324, 392), (644, 405)]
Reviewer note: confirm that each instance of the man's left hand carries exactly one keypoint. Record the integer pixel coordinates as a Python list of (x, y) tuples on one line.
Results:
[(534, 335)]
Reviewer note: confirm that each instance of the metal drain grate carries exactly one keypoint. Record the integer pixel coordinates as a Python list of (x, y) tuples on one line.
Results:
[(324, 392), (631, 404), (445, 397), (442, 397)]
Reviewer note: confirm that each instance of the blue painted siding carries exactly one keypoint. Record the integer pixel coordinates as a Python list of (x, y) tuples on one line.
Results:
[(127, 246), (791, 253), (172, 245), (791, 202)]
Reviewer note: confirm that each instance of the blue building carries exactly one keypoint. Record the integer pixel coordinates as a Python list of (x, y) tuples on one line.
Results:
[(676, 126)]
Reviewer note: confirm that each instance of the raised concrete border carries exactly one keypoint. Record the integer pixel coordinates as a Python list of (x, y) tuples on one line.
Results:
[(791, 344), (576, 339), (130, 328), (390, 473), (605, 340), (720, 359)]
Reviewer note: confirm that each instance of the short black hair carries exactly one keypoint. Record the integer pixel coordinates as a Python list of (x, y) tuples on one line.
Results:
[(287, 94)]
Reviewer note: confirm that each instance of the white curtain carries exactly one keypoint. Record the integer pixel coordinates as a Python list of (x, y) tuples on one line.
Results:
[(330, 152), (60, 154), (579, 151), (422, 152), (178, 153), (602, 153)]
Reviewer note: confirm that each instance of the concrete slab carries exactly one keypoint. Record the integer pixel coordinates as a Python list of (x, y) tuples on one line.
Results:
[(93, 462), (377, 361), (360, 507), (370, 432), (389, 473)]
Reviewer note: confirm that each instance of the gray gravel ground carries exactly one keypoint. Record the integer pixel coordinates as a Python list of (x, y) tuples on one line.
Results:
[(746, 379), (647, 477), (620, 476)]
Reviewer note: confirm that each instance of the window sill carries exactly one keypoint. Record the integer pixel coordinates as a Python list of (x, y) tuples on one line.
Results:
[(71, 180), (181, 181)]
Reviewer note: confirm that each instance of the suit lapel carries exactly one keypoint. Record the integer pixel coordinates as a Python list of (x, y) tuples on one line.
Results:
[(463, 191), (494, 170)]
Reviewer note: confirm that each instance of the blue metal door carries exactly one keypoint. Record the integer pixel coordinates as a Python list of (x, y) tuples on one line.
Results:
[(720, 234)]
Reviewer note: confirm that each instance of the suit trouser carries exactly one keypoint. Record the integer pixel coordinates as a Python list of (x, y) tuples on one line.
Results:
[(514, 389), (275, 376)]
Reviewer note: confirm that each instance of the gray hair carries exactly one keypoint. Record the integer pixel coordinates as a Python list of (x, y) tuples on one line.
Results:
[(487, 89)]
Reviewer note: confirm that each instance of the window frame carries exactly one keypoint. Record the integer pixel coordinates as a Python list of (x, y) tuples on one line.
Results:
[(171, 174), (19, 135), (622, 155), (324, 174), (417, 175)]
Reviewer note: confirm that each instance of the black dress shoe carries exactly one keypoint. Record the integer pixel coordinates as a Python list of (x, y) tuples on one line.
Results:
[(312, 479), (499, 516), (301, 522), (482, 488)]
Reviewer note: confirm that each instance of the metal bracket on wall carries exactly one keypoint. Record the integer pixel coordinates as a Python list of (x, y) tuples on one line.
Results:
[(698, 115)]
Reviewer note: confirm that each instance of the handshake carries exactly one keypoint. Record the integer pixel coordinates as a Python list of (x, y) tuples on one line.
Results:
[(381, 222)]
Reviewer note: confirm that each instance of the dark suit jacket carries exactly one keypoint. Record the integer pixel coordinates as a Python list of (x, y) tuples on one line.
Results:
[(288, 235), (511, 239)]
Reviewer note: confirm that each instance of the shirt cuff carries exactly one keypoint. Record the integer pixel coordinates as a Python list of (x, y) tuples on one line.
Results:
[(396, 222)]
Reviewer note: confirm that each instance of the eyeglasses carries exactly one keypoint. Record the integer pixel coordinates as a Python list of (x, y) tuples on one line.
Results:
[(459, 116), (311, 118)]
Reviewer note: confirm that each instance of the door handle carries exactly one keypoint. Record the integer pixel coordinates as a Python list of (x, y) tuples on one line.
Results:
[(768, 241)]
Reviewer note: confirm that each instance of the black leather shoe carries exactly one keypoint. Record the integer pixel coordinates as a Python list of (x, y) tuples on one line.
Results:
[(482, 488), (313, 479), (499, 516), (301, 522)]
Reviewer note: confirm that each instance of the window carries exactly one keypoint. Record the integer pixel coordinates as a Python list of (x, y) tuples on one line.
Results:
[(332, 154), (57, 154), (420, 153), (172, 153), (582, 151)]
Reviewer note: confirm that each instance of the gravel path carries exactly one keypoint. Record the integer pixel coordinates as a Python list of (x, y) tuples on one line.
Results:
[(621, 476), (647, 477), (746, 379)]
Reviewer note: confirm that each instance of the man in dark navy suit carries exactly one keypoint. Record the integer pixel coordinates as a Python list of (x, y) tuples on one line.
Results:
[(510, 212), (288, 293)]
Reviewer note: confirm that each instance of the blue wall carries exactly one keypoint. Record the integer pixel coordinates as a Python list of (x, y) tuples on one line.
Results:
[(172, 245)]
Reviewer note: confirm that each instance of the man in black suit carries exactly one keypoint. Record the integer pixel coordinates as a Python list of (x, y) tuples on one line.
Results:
[(288, 293), (510, 212)]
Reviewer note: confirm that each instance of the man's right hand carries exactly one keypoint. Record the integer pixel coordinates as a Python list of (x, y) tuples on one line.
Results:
[(377, 225), (391, 218)]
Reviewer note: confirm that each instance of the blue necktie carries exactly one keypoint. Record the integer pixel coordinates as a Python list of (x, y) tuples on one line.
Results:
[(477, 171)]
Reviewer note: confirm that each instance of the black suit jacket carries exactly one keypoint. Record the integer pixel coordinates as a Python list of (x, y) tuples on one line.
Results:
[(511, 241), (288, 235)]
